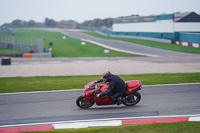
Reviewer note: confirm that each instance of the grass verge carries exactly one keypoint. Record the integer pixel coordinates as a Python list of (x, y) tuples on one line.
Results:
[(166, 46), (180, 127), (28, 84), (10, 51), (68, 47)]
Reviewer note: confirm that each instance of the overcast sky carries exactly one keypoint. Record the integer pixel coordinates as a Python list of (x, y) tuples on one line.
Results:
[(81, 10)]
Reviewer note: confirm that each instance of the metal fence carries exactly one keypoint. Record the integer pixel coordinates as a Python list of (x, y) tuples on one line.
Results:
[(23, 44), (18, 40)]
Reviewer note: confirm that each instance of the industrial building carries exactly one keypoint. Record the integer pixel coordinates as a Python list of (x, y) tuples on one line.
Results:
[(184, 27)]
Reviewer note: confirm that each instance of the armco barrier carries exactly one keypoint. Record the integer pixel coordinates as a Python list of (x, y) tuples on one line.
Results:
[(136, 37), (176, 36), (39, 50), (150, 34), (18, 47), (37, 55), (196, 45), (168, 36), (189, 37)]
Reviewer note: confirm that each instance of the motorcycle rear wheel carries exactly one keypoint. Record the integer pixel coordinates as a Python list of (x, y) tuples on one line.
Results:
[(80, 102), (132, 99)]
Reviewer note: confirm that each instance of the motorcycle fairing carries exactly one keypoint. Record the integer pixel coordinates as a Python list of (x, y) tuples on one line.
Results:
[(133, 85)]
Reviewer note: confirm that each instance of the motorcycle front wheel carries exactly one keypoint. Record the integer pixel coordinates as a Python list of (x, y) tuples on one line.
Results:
[(132, 99), (80, 102)]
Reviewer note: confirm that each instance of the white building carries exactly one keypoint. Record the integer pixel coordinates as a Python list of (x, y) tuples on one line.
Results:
[(177, 26)]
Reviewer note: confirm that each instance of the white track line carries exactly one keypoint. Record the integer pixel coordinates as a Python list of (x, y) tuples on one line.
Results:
[(116, 49)]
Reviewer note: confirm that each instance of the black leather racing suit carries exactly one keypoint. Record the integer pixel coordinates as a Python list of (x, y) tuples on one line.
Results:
[(116, 84)]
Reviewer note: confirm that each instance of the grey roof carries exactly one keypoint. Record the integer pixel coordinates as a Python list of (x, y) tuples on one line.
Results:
[(179, 15)]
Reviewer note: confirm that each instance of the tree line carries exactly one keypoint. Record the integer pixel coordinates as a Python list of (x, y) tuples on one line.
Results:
[(18, 23)]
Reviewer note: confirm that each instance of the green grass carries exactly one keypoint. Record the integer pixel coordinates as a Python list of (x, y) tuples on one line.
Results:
[(68, 47), (179, 127), (6, 50), (10, 51), (27, 84), (166, 46)]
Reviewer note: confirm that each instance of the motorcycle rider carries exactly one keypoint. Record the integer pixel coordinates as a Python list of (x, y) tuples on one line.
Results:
[(116, 84)]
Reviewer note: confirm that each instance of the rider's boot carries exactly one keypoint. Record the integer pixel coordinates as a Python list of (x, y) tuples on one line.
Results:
[(119, 101)]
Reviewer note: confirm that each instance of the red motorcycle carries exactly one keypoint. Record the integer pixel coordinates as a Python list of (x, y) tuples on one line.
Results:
[(130, 97)]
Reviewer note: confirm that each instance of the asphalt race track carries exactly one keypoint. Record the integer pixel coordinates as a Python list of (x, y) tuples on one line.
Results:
[(126, 45), (56, 106), (42, 107)]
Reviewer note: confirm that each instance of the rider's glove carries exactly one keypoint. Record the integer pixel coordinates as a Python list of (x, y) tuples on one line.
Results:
[(99, 80), (99, 95)]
